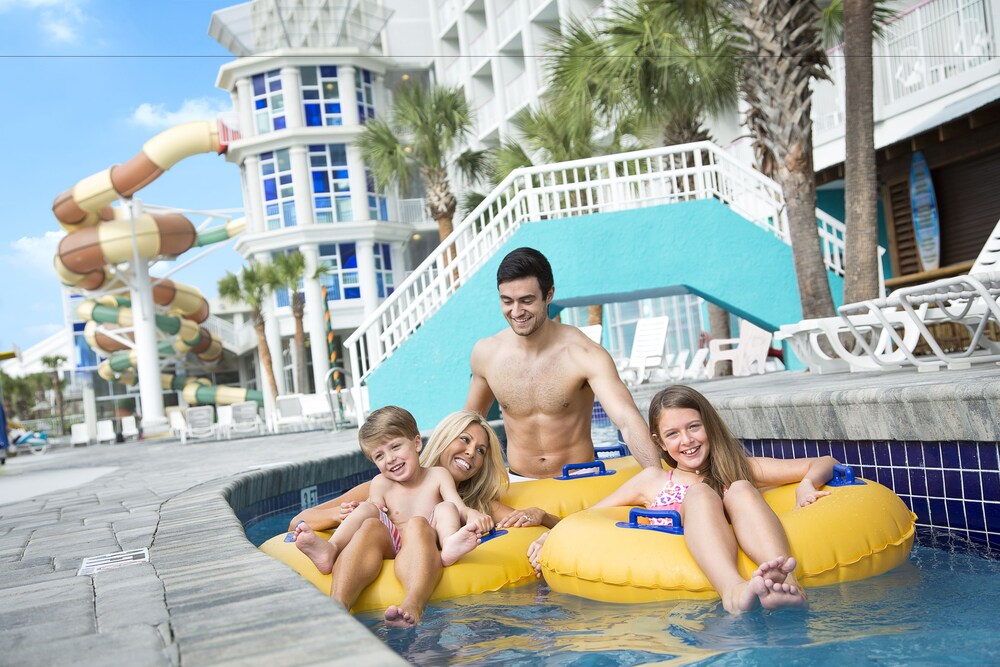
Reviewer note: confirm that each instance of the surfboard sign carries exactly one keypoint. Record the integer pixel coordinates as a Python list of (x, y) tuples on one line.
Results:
[(923, 204)]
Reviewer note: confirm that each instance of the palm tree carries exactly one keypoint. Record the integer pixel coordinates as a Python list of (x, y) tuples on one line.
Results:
[(53, 363), (286, 272), (424, 130), (251, 287)]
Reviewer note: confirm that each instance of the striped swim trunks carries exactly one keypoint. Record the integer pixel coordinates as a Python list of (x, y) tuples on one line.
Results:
[(397, 541)]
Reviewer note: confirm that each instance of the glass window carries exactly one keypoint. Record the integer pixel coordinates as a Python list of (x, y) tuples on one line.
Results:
[(383, 270), (364, 83), (331, 188), (321, 96), (279, 192), (378, 206), (342, 279), (268, 102)]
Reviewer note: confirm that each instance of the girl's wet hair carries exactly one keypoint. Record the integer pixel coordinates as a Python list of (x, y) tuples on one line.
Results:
[(479, 491), (727, 460)]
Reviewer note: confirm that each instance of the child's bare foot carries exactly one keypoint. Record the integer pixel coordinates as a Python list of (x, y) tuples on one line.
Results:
[(397, 617), (320, 552), (782, 595), (745, 596), (459, 543), (776, 570)]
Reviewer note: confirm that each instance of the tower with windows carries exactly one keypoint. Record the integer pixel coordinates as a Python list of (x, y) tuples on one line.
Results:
[(307, 77)]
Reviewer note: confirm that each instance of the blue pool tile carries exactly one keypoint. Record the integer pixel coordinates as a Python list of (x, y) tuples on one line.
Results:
[(937, 514), (851, 455), (949, 455), (992, 517), (799, 449), (953, 484), (935, 484), (900, 481), (932, 455), (914, 454), (991, 486), (968, 453), (974, 516), (988, 456), (970, 483), (837, 451), (956, 514), (883, 453), (867, 453), (918, 482), (920, 507), (978, 537)]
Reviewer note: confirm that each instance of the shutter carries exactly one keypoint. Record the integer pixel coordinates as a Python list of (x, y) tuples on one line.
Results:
[(969, 205), (907, 259)]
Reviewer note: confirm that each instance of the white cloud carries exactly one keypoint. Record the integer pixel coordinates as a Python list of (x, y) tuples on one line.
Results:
[(157, 116), (36, 252), (60, 20)]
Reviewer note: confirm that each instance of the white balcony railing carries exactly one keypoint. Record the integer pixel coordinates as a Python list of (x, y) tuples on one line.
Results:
[(931, 47), (616, 182), (235, 339), (413, 211)]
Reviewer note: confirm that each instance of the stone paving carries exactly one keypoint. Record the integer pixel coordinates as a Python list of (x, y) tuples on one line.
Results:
[(208, 597)]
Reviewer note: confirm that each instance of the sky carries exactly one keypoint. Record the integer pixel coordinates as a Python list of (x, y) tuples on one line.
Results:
[(85, 84)]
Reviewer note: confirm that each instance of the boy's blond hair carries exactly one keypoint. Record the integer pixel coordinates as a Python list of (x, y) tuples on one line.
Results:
[(478, 492), (385, 424)]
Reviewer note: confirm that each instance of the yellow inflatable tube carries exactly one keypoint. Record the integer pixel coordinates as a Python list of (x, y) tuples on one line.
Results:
[(856, 532), (497, 563)]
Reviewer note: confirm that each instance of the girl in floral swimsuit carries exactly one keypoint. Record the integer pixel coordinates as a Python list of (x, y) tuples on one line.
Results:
[(714, 485)]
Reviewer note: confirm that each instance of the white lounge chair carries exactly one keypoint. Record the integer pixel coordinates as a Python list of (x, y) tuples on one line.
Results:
[(748, 352), (288, 413), (246, 418), (129, 428), (106, 431), (201, 422), (223, 427), (648, 353), (885, 332), (593, 332), (178, 425), (696, 369), (78, 435), (316, 410)]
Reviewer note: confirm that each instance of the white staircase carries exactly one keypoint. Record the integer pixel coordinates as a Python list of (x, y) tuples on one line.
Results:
[(595, 185)]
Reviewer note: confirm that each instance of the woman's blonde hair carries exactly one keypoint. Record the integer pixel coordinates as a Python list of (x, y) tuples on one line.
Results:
[(480, 491), (727, 460)]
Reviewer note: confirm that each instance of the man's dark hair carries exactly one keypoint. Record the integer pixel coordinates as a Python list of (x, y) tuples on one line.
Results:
[(526, 263)]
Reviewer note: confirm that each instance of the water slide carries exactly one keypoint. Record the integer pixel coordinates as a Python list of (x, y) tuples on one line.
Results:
[(100, 237)]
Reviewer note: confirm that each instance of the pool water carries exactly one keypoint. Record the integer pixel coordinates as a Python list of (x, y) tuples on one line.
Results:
[(937, 608)]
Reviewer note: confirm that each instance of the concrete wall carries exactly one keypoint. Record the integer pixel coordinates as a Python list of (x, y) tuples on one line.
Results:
[(701, 247)]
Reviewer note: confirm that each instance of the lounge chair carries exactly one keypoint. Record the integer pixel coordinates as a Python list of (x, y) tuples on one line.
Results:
[(106, 431), (201, 422), (246, 418), (593, 332), (288, 413), (885, 332), (696, 369), (224, 426), (78, 435), (648, 345), (178, 425), (748, 352), (129, 428)]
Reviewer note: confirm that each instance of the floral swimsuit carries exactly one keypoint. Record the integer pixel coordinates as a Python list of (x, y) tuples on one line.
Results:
[(670, 497)]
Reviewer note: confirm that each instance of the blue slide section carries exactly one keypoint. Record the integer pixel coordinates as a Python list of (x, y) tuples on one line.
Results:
[(701, 247)]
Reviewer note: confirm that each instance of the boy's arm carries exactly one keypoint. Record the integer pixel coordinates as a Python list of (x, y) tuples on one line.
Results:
[(376, 492)]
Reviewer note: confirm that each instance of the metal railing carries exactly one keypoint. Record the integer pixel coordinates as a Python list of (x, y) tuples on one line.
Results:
[(609, 183), (238, 340)]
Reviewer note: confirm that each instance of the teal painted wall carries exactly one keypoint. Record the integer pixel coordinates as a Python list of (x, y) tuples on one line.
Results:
[(702, 247)]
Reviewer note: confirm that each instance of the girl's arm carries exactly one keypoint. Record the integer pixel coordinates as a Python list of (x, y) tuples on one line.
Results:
[(506, 516), (810, 473), (332, 512), (637, 491)]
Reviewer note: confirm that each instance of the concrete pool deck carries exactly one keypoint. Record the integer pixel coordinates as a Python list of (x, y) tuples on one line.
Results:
[(208, 597)]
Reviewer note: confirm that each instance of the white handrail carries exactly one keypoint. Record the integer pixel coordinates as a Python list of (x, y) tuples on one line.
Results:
[(579, 187)]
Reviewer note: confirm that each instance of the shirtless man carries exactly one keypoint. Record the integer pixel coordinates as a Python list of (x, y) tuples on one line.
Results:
[(545, 375)]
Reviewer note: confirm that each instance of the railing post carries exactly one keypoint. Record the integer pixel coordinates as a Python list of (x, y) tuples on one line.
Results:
[(531, 196)]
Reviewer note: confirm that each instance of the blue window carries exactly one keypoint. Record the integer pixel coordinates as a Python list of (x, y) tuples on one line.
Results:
[(329, 176), (321, 83), (364, 84), (279, 191), (383, 270), (342, 278), (268, 102), (378, 208)]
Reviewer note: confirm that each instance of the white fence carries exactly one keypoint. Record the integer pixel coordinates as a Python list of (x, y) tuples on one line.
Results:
[(610, 183)]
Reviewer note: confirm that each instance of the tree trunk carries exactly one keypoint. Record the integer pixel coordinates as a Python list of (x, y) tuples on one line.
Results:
[(861, 188), (301, 375), (265, 354), (718, 327), (595, 315), (799, 186), (57, 389)]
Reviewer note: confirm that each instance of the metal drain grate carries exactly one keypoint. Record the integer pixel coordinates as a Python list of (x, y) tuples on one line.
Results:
[(95, 564)]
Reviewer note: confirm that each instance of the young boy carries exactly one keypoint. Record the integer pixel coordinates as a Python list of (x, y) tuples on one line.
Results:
[(400, 492)]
